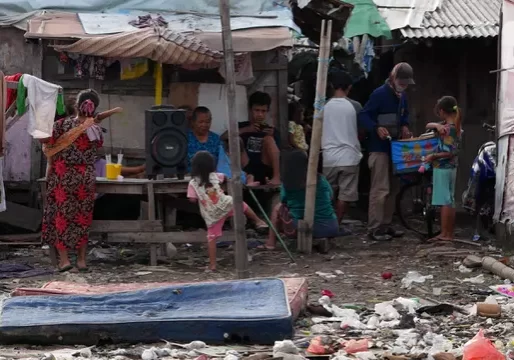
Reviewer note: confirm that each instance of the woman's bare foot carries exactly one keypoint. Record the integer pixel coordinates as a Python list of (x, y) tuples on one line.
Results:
[(274, 181)]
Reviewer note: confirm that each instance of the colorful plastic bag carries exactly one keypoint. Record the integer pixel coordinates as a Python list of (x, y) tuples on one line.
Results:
[(481, 348)]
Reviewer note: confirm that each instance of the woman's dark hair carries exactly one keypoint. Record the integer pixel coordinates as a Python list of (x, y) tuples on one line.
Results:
[(448, 104), (294, 164), (259, 98), (200, 110), (87, 97), (294, 110), (202, 165)]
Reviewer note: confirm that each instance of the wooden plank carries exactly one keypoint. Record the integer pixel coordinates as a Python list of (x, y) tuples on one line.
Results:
[(151, 216), (21, 216), (129, 189), (151, 238), (110, 226), (188, 237), (18, 238)]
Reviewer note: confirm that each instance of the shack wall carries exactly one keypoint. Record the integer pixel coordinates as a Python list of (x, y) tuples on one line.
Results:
[(19, 56)]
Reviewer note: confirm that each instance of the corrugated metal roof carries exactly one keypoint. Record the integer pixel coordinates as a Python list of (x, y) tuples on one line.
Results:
[(459, 19), (165, 46)]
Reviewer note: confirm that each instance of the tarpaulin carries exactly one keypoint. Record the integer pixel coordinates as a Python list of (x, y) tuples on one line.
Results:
[(8, 7)]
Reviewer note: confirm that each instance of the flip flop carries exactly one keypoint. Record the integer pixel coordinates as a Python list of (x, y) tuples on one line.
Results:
[(83, 270), (438, 239), (265, 248), (65, 269), (262, 229)]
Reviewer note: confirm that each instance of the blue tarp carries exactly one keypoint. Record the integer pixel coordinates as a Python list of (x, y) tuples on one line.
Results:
[(252, 311), (248, 7)]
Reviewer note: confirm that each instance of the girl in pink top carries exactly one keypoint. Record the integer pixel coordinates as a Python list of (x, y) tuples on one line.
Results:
[(215, 205)]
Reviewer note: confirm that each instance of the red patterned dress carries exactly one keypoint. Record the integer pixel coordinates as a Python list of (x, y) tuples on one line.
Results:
[(70, 195)]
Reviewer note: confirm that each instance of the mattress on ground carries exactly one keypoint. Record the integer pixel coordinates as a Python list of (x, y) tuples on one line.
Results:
[(250, 311), (297, 290)]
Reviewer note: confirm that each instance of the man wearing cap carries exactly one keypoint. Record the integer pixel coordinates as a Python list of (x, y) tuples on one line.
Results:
[(385, 117)]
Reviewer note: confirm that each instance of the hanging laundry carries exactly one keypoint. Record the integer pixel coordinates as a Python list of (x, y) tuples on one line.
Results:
[(133, 68), (243, 68), (3, 202), (44, 99), (147, 21), (87, 66), (11, 93)]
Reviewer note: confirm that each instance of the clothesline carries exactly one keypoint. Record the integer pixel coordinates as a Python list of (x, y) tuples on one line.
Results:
[(14, 85)]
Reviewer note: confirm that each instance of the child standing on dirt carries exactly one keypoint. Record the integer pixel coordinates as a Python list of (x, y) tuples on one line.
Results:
[(444, 162), (215, 206)]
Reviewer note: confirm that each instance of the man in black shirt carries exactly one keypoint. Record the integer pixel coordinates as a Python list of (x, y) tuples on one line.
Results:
[(260, 141)]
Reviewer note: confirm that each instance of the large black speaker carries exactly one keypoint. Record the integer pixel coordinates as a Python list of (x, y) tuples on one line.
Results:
[(166, 142)]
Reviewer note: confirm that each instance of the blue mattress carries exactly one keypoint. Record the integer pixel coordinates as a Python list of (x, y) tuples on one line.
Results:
[(249, 311)]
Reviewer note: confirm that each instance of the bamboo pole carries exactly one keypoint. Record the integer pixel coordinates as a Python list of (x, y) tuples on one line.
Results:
[(305, 225), (241, 255)]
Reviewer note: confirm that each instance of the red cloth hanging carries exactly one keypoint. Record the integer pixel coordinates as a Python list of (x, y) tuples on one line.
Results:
[(11, 93)]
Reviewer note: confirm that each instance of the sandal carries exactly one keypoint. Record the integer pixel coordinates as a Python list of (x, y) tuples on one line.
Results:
[(65, 269), (438, 239), (83, 269), (265, 247)]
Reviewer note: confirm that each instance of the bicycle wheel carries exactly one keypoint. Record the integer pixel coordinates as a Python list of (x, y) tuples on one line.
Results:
[(415, 212)]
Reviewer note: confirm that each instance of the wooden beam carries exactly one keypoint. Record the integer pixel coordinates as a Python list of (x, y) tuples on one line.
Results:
[(236, 186), (305, 226), (111, 226)]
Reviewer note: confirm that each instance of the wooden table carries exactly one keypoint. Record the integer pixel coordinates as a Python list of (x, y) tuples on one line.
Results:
[(160, 214), (150, 230)]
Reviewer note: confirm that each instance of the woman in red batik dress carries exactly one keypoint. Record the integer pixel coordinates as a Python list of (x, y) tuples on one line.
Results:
[(72, 152)]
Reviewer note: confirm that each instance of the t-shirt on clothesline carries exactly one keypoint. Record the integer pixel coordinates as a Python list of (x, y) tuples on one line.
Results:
[(43, 100)]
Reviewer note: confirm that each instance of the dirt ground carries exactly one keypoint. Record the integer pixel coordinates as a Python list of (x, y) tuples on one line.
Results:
[(354, 267)]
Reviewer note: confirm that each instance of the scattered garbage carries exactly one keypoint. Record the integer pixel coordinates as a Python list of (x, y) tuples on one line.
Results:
[(489, 310), (480, 348), (414, 277), (356, 346), (480, 279), (464, 270), (387, 275), (321, 345)]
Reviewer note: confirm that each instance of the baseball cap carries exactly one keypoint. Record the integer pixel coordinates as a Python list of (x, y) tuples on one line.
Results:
[(405, 73)]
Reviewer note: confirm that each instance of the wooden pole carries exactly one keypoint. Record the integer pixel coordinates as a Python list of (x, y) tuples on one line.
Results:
[(305, 225), (233, 136)]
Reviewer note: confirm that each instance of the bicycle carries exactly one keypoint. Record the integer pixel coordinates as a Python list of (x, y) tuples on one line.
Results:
[(421, 217)]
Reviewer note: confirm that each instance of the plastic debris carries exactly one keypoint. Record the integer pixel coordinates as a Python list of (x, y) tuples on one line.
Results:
[(195, 345), (464, 270), (480, 348), (325, 275), (328, 293), (414, 277), (386, 311), (387, 275), (321, 345), (476, 280), (286, 347), (356, 346)]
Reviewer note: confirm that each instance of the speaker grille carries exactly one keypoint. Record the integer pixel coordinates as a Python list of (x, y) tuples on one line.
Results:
[(159, 118), (169, 147)]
